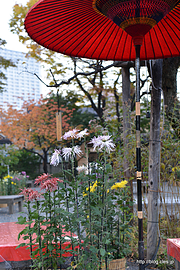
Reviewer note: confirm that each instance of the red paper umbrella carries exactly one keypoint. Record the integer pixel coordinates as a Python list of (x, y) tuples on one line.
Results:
[(73, 27), (110, 30)]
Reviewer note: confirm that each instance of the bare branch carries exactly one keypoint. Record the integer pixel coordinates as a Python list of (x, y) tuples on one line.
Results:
[(53, 77), (32, 151)]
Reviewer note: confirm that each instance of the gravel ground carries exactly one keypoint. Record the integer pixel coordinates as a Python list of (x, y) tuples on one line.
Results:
[(132, 265), (6, 217)]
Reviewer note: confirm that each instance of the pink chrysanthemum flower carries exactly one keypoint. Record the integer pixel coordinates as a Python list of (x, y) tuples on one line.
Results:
[(55, 158), (26, 191), (34, 195), (30, 194), (51, 184), (40, 179)]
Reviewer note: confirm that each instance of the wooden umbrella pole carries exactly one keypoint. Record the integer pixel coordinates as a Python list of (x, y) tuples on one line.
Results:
[(138, 161)]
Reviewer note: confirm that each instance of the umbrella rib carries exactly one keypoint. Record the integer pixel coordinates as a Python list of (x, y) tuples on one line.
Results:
[(158, 41), (152, 45), (67, 26), (164, 39), (102, 23), (54, 18), (104, 44), (170, 36), (145, 49), (173, 32), (44, 16), (124, 46), (51, 26), (132, 44), (84, 40), (47, 9), (116, 46)]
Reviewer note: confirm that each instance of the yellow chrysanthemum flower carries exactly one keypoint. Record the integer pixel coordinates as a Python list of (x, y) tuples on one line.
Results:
[(73, 266), (92, 189), (121, 184), (174, 169), (7, 176)]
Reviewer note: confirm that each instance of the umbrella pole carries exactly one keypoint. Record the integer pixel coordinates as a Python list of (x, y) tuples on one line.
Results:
[(138, 161)]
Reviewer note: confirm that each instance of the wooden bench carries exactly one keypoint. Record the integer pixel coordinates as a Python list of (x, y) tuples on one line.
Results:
[(10, 200), (173, 250), (30, 183)]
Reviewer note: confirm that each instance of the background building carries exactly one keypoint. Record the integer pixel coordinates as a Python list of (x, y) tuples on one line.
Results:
[(21, 83)]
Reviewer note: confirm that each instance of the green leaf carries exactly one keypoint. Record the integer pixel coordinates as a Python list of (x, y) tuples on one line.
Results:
[(102, 252), (107, 241), (26, 237), (25, 231), (50, 247), (21, 220), (35, 215), (21, 245)]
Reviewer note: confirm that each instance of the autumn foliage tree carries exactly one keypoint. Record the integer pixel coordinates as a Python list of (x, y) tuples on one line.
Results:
[(33, 128)]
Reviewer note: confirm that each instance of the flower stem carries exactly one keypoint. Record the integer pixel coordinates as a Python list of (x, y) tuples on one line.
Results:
[(29, 219), (39, 232)]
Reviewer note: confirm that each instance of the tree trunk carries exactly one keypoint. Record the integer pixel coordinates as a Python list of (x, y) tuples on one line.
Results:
[(169, 86), (126, 123), (154, 160), (45, 169)]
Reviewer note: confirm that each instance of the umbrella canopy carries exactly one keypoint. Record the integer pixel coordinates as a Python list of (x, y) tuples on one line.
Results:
[(92, 29)]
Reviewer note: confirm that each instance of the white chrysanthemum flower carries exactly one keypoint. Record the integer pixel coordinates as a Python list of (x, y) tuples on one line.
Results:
[(82, 168), (70, 134), (68, 152), (96, 141), (55, 158), (105, 137), (108, 145), (82, 133), (77, 151), (103, 143)]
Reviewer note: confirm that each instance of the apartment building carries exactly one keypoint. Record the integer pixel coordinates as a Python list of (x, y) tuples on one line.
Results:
[(21, 83)]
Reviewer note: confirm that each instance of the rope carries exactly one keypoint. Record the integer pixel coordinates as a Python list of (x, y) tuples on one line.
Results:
[(154, 253), (154, 141), (163, 191), (153, 221)]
